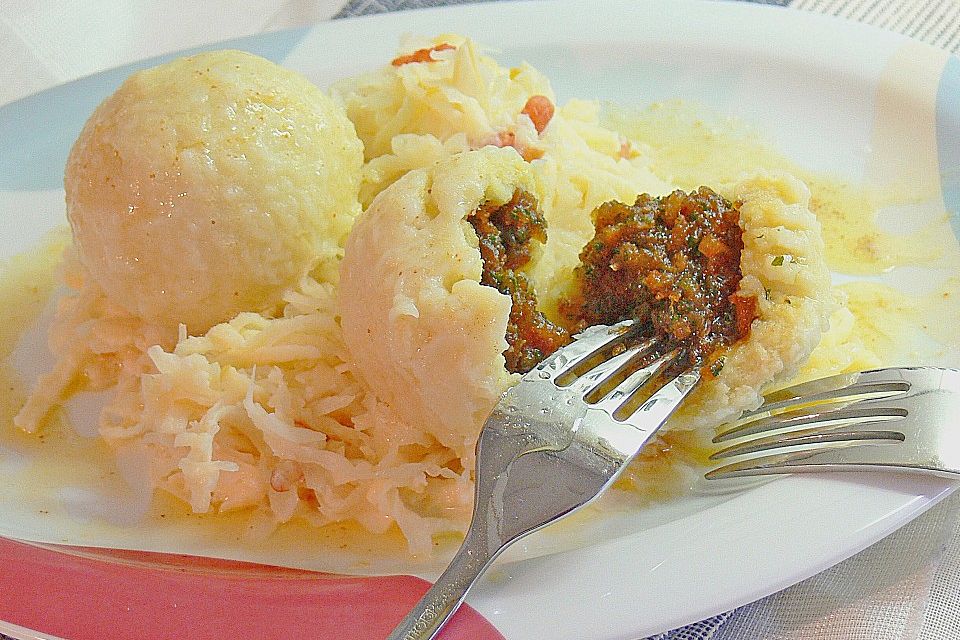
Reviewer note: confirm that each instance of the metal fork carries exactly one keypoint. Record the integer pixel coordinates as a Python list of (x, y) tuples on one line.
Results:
[(904, 419), (553, 443)]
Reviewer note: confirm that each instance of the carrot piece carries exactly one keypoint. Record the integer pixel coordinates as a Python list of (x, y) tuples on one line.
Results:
[(745, 310), (421, 55), (540, 111), (711, 247)]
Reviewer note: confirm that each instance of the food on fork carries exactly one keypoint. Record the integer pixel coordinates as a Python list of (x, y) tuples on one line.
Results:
[(262, 359), (673, 263)]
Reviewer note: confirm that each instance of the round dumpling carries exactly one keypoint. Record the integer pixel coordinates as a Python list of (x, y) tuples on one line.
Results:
[(423, 332), (208, 185)]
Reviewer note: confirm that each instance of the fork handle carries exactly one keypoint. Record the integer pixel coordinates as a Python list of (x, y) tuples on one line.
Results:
[(442, 599)]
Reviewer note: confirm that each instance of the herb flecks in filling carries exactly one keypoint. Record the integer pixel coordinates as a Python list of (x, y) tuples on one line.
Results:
[(673, 264), (506, 233)]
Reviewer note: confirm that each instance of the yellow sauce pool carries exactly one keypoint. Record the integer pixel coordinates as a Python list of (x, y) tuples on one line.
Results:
[(692, 149)]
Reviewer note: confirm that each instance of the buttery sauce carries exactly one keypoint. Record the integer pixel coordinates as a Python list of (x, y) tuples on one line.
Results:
[(26, 283), (692, 148), (64, 486), (877, 324), (46, 466)]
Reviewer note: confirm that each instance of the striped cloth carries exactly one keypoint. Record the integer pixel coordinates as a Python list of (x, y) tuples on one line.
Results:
[(935, 22)]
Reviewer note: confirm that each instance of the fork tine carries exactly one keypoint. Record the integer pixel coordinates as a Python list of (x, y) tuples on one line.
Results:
[(785, 422), (604, 371), (782, 463), (660, 405), (812, 436), (833, 389), (862, 453), (620, 395), (645, 419), (893, 419), (584, 346)]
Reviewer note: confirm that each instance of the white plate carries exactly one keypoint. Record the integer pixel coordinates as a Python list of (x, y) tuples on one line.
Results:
[(809, 83)]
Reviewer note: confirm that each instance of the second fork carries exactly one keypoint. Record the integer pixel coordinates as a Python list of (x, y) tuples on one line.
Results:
[(904, 419)]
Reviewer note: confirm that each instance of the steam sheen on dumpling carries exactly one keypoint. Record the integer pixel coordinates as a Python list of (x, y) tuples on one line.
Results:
[(208, 185)]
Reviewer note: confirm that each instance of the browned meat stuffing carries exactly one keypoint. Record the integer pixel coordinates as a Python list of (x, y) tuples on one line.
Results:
[(673, 263), (506, 234)]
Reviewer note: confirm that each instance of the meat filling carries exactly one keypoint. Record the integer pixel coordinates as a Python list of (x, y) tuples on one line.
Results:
[(673, 263), (507, 233)]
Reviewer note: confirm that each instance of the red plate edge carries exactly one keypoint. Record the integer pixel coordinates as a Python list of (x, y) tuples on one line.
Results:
[(76, 595)]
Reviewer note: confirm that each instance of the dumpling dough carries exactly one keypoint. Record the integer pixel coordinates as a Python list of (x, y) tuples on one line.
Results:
[(208, 185), (784, 268), (423, 332)]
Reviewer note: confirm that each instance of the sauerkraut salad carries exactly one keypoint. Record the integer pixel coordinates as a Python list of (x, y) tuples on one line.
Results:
[(357, 393)]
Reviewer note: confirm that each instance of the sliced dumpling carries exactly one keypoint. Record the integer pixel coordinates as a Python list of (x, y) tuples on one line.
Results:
[(422, 330)]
